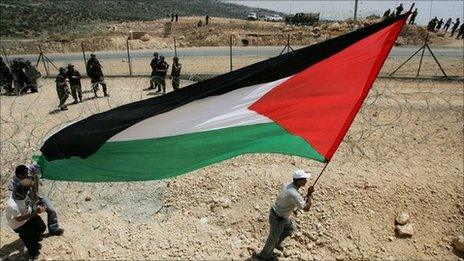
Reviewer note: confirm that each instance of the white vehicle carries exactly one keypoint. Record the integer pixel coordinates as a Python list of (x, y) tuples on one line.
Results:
[(252, 16), (274, 18)]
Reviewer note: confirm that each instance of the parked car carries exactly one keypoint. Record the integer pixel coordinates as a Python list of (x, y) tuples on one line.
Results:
[(252, 16), (274, 18)]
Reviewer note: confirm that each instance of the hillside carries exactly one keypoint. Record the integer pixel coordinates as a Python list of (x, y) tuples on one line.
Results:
[(78, 18)]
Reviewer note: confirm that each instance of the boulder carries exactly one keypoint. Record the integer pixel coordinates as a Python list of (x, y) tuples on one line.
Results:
[(402, 218), (404, 231), (458, 243)]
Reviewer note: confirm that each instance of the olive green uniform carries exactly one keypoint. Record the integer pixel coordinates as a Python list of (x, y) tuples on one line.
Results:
[(175, 73), (62, 90)]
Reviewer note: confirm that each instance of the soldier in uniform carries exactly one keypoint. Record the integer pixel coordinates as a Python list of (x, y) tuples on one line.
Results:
[(32, 75), (161, 70), (455, 26), (439, 24), (62, 88), (94, 71), (153, 64), (6, 77), (19, 77), (413, 17), (75, 82), (175, 73), (399, 10), (461, 31), (447, 25), (386, 15)]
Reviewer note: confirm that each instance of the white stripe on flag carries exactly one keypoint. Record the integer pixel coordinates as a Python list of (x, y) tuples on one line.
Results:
[(216, 112)]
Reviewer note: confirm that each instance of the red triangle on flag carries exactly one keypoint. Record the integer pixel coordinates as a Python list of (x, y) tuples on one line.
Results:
[(320, 103)]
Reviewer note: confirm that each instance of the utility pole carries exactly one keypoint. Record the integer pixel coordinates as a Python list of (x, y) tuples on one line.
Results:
[(355, 10)]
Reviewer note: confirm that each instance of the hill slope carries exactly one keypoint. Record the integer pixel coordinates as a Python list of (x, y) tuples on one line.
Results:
[(32, 18)]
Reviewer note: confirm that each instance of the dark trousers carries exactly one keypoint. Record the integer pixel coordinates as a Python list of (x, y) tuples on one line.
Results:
[(30, 234), (76, 91), (62, 96), (95, 81), (175, 82), (280, 229), (160, 83)]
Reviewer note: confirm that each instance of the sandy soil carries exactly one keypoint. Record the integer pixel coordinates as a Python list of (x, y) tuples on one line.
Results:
[(404, 152)]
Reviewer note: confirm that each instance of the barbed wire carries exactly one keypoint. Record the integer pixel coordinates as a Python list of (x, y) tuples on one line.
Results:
[(390, 113)]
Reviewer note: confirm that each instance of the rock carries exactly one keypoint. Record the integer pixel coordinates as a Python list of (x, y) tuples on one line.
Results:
[(334, 26), (203, 220), (88, 198), (405, 231), (458, 243), (145, 38), (402, 218)]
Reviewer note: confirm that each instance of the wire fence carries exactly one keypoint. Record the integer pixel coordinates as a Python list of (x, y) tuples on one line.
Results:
[(201, 62)]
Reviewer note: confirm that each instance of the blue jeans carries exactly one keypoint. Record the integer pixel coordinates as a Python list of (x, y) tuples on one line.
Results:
[(52, 219), (280, 229)]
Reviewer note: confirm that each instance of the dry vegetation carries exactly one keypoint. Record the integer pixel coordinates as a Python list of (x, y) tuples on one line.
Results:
[(217, 33)]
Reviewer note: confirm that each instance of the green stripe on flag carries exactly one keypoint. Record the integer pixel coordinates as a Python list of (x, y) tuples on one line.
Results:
[(167, 157)]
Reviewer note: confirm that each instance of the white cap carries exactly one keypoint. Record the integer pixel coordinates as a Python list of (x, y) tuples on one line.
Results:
[(301, 174)]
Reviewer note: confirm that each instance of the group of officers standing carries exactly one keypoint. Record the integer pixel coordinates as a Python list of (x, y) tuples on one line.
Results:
[(159, 69), (73, 77), (23, 75), (20, 78), (435, 25)]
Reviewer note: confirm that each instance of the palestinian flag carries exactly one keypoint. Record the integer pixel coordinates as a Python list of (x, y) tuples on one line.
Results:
[(301, 103)]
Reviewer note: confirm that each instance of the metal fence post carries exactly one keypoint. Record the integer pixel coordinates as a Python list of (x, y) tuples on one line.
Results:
[(175, 47), (230, 53), (83, 54), (128, 57)]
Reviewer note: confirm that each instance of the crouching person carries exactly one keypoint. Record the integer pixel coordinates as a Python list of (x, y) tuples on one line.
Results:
[(23, 219), (23, 172)]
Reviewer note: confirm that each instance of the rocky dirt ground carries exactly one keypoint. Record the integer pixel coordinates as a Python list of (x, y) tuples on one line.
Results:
[(217, 33), (403, 153)]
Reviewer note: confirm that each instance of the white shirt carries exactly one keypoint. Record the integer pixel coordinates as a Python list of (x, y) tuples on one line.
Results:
[(288, 199), (16, 208)]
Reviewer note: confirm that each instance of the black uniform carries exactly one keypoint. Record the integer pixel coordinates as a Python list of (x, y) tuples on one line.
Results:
[(6, 77), (455, 27), (161, 71), (19, 77), (153, 64), (386, 15), (413, 17), (75, 82), (439, 24), (94, 71), (399, 10), (32, 75), (461, 31), (447, 25)]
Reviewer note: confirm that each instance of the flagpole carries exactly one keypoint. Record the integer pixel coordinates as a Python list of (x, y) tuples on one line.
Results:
[(322, 171)]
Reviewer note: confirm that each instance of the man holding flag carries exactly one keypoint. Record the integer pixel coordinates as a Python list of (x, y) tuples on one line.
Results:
[(288, 200)]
